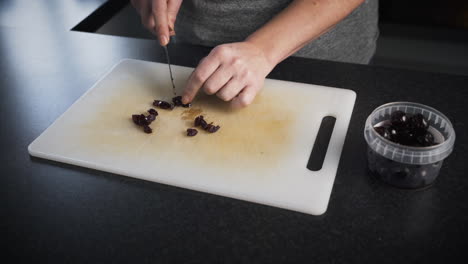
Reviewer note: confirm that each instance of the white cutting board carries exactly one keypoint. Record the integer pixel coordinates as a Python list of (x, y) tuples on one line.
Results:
[(259, 154)]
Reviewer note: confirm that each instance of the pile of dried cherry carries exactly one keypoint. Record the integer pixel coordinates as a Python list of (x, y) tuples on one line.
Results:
[(144, 121), (407, 129), (200, 121), (176, 101)]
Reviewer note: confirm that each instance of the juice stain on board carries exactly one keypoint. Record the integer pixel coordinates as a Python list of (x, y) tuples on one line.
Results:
[(257, 136)]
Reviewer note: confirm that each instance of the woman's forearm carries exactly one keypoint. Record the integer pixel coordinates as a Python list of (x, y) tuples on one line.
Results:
[(301, 22), (235, 72)]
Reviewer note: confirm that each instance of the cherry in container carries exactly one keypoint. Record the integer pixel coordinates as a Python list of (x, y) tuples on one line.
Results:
[(407, 143)]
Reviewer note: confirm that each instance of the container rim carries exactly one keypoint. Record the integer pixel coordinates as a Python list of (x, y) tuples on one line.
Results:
[(445, 147)]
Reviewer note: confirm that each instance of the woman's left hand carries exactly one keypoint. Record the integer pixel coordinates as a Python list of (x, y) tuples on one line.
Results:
[(235, 72)]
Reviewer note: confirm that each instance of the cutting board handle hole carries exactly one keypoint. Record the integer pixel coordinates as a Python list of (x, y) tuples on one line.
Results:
[(322, 140)]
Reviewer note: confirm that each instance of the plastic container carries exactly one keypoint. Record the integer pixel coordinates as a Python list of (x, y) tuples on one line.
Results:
[(406, 166)]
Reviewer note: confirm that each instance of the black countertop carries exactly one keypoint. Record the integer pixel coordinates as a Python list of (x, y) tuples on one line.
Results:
[(58, 213)]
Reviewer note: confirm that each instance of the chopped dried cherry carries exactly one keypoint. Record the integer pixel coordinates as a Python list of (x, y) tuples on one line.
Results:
[(178, 102), (150, 118), (136, 119), (163, 104), (203, 123), (147, 129), (191, 132), (153, 112), (200, 121), (140, 120), (144, 121), (211, 128)]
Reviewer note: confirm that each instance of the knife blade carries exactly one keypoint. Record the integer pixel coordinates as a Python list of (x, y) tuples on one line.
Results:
[(170, 69)]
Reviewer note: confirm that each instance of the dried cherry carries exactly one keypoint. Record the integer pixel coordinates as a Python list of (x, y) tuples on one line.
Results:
[(153, 111), (177, 101), (398, 118), (147, 129), (140, 120), (211, 128), (425, 140), (163, 104), (383, 131), (405, 129), (191, 132), (150, 118), (200, 121), (418, 123)]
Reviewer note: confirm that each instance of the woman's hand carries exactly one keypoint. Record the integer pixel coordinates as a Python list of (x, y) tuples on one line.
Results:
[(234, 72), (158, 16)]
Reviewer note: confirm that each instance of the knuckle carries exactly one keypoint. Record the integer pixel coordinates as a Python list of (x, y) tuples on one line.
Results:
[(160, 28), (237, 63), (216, 51), (242, 103), (221, 51), (242, 77), (209, 88), (197, 78), (245, 101), (244, 74), (223, 96)]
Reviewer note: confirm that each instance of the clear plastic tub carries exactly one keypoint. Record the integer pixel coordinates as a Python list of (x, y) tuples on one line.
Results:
[(406, 166)]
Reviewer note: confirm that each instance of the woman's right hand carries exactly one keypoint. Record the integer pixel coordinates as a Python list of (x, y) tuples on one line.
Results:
[(158, 16)]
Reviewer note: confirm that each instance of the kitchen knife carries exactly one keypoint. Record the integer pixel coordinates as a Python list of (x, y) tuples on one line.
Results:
[(170, 70)]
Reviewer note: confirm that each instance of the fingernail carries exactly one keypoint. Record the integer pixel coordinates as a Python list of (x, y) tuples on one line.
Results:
[(164, 40), (185, 100)]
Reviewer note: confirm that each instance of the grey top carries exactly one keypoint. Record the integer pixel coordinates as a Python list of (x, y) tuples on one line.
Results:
[(213, 22)]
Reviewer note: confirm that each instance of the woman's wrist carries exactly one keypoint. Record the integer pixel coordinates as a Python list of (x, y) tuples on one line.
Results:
[(262, 49)]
